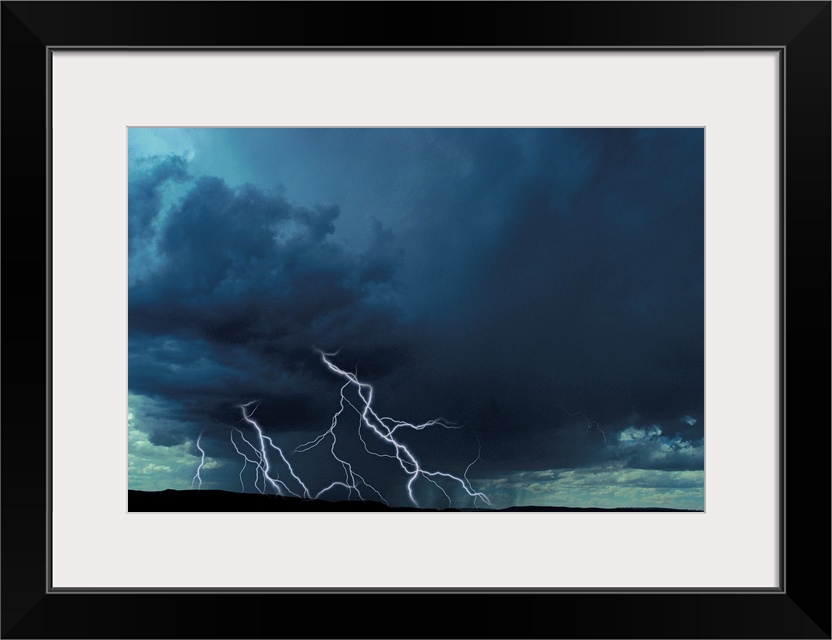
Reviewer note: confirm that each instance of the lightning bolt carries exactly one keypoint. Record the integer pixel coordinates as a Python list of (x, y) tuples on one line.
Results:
[(201, 463), (590, 424), (264, 468), (377, 434), (351, 478), (246, 460), (383, 428)]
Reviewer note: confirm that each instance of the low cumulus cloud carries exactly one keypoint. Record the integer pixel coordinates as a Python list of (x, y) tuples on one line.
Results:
[(167, 463), (651, 447), (606, 487)]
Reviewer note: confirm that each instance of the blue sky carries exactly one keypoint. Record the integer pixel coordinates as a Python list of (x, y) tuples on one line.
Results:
[(541, 290)]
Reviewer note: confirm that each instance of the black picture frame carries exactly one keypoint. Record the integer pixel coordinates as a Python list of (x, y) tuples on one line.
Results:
[(799, 31)]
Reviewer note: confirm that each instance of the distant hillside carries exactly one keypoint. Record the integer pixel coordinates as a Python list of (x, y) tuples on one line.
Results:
[(206, 500)]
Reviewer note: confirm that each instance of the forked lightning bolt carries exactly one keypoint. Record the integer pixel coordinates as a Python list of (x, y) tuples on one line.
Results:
[(384, 428), (383, 443), (271, 478)]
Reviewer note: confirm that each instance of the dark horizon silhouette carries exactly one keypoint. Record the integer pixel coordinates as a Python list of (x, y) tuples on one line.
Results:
[(214, 500)]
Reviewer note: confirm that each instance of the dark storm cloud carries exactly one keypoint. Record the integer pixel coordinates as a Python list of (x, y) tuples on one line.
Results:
[(144, 194), (245, 286), (561, 273), (659, 447)]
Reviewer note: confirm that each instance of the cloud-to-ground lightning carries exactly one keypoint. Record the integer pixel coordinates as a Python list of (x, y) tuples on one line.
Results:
[(590, 424), (378, 436), (271, 477), (384, 429), (201, 463)]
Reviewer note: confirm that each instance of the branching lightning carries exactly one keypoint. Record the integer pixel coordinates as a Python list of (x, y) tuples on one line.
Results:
[(379, 436), (271, 478), (384, 428)]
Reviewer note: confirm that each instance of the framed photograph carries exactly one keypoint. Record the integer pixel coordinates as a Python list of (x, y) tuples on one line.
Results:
[(519, 299)]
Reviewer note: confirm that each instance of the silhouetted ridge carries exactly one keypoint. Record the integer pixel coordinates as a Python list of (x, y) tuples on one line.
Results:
[(207, 500)]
